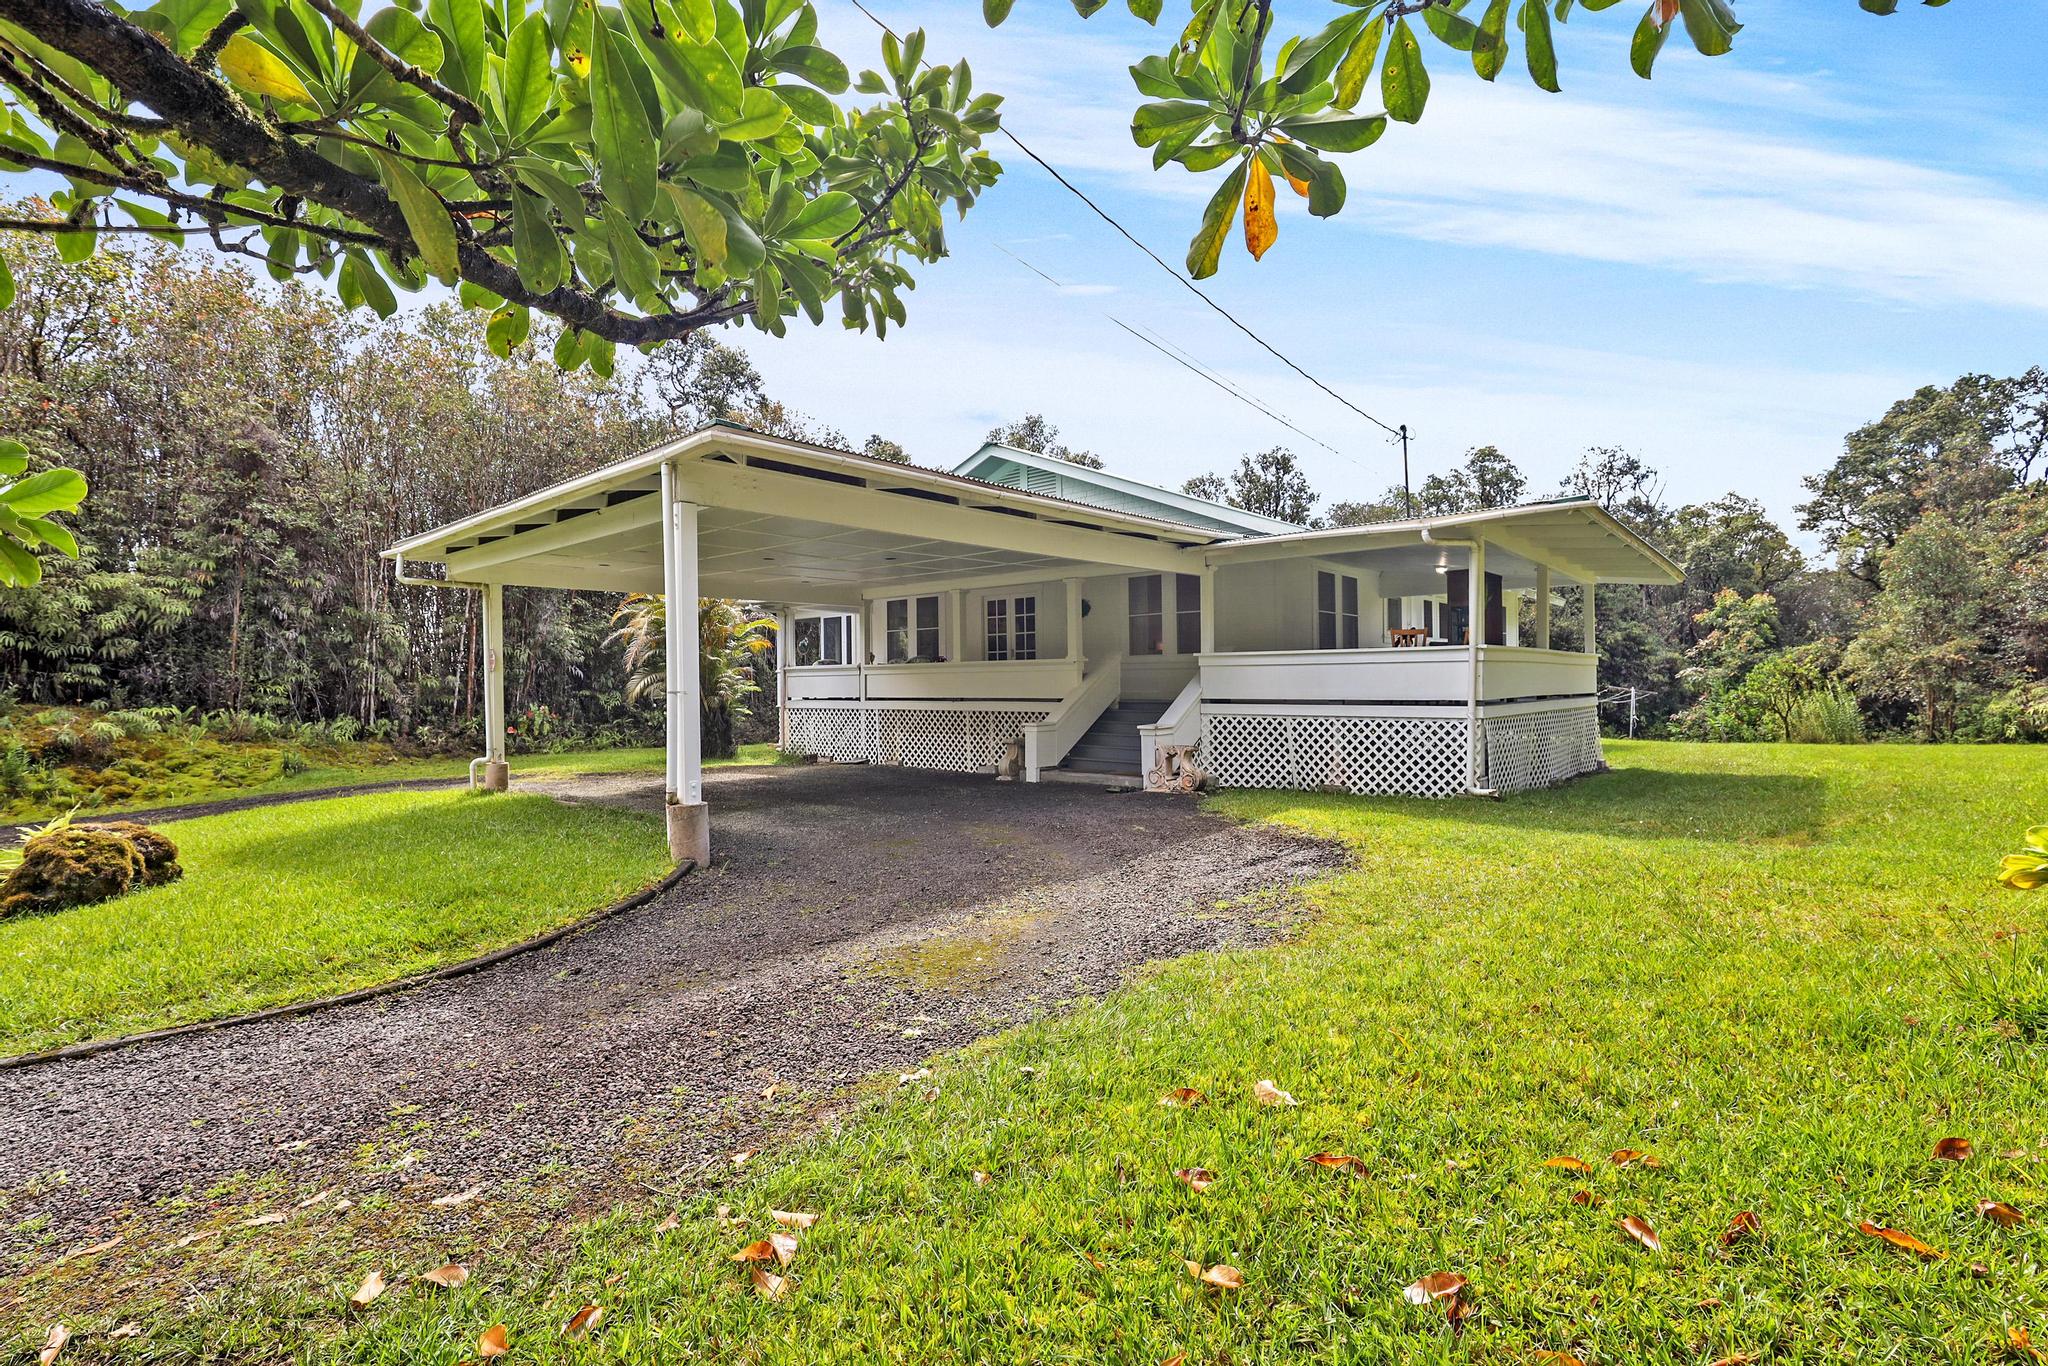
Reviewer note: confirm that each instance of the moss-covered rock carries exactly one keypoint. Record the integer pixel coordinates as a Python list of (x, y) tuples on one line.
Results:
[(73, 866), (159, 854)]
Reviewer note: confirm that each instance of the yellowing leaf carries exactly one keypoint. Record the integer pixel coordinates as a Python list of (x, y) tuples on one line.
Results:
[(1261, 228), (1340, 1162), (1566, 1164), (369, 1290), (1954, 1150), (1269, 1094), (1197, 1178), (790, 1218), (1901, 1239), (760, 1250), (1299, 186), (1221, 1276), (1437, 1285), (1182, 1098), (582, 1321), (1640, 1230), (447, 1277), (1629, 1157), (491, 1342), (2000, 1213), (256, 70)]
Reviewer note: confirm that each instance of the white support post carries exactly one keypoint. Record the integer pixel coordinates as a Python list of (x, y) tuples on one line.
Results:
[(1207, 601), (785, 642), (1475, 638), (1589, 596), (689, 820), (1542, 606), (497, 773), (1074, 650), (954, 644)]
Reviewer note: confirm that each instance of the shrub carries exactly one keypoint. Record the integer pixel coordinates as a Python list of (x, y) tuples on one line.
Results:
[(74, 866), (292, 761), (133, 725), (158, 854), (1827, 716), (14, 771), (344, 729)]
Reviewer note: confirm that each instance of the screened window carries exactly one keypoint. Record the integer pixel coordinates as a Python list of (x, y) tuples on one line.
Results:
[(808, 635), (910, 630), (1187, 614), (896, 630), (1336, 611), (1148, 616), (927, 628), (1393, 614)]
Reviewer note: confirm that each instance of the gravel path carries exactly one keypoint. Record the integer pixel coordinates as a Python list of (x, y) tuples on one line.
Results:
[(854, 920)]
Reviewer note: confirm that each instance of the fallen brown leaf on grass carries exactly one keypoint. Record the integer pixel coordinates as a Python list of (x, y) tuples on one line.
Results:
[(1182, 1098), (1557, 1359), (192, 1238), (741, 1158), (1197, 1178), (768, 1285), (447, 1277), (905, 1078), (669, 1225), (790, 1218), (760, 1250), (1738, 1359), (1458, 1309), (1979, 1270), (1743, 1225), (2000, 1213), (1640, 1230), (491, 1342), (1340, 1162), (53, 1343), (1177, 1359), (583, 1320), (1902, 1239), (1954, 1150), (2020, 1343), (1436, 1285), (1218, 1277), (1269, 1094), (1566, 1163), (265, 1220), (370, 1289), (785, 1247), (130, 1329), (459, 1198), (1094, 1261), (981, 1178), (1629, 1157), (1585, 1197), (317, 1198), (92, 1251)]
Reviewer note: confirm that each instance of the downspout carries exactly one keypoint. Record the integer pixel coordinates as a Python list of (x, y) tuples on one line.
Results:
[(413, 580), (1476, 632)]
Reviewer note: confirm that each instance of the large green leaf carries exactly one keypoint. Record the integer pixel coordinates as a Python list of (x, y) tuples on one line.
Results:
[(1311, 61), (1356, 69), (620, 127), (427, 217), (58, 490), (1207, 247), (703, 224), (1537, 45), (761, 115), (360, 279), (1404, 83), (536, 249), (6, 283), (1335, 131), (995, 11), (633, 263), (1648, 41), (1710, 24), (18, 568), (466, 57), (704, 75), (1489, 57), (1162, 118), (1325, 182), (527, 75), (814, 64), (825, 218)]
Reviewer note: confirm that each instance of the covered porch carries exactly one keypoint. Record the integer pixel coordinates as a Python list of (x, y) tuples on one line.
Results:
[(917, 625)]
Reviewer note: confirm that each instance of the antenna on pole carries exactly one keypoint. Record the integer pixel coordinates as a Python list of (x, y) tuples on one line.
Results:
[(1407, 494)]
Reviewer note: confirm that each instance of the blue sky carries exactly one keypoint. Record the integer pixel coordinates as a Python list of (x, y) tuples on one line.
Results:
[(1722, 270)]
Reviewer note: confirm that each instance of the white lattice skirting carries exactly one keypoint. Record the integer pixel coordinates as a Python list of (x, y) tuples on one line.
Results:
[(1540, 748), (959, 739), (1413, 756), (1416, 756)]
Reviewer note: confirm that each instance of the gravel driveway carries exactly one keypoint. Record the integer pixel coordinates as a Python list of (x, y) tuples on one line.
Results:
[(855, 920)]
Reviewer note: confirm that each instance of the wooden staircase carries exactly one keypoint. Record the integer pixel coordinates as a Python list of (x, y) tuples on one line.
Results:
[(1111, 744)]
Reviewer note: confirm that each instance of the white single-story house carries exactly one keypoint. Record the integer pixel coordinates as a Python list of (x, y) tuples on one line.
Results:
[(934, 619)]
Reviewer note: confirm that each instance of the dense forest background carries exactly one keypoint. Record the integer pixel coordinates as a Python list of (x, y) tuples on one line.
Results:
[(251, 448)]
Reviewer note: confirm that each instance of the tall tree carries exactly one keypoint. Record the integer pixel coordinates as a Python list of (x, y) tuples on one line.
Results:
[(1487, 479), (1032, 432), (1270, 483), (1921, 645)]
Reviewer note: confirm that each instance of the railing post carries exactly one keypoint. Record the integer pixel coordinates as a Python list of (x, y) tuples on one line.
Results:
[(1542, 606)]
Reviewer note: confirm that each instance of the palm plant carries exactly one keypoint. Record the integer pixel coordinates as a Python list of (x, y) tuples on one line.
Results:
[(729, 639)]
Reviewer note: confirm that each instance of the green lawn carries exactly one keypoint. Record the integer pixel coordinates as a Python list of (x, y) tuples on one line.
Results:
[(1739, 959), (291, 902)]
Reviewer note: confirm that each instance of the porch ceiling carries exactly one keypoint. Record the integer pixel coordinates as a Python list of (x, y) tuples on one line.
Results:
[(783, 522)]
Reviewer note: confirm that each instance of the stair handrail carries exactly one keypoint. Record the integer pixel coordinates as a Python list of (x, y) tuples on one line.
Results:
[(1047, 742), (1179, 724)]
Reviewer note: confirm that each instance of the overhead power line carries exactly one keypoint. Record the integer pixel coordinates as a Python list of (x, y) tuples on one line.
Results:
[(1399, 433)]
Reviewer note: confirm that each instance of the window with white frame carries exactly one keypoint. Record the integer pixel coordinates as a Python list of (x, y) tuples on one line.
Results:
[(910, 629), (823, 639), (1011, 627), (1148, 615), (1336, 611), (1187, 613)]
